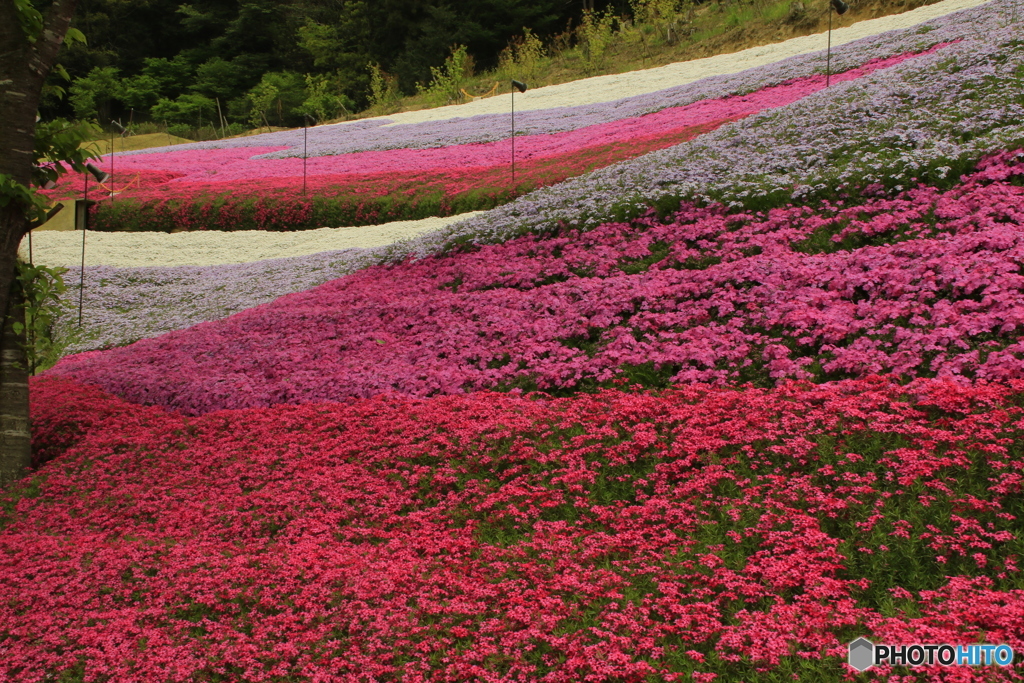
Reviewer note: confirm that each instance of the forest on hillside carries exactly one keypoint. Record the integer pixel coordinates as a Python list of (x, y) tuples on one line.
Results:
[(230, 63)]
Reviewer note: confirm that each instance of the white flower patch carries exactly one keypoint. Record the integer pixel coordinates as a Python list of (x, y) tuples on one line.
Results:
[(215, 247)]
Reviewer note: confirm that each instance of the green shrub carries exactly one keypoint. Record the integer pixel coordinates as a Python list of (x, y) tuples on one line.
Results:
[(189, 110), (91, 93), (322, 100), (261, 97), (42, 288), (383, 95), (595, 35), (523, 58), (448, 81)]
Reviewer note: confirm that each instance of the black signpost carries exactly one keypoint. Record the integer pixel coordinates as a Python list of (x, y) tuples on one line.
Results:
[(521, 87)]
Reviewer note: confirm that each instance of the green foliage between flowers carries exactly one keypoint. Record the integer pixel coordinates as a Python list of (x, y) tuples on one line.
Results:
[(42, 288), (284, 215)]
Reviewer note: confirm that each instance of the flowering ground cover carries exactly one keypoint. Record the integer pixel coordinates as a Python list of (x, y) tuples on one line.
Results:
[(248, 188), (929, 118), (920, 119), (123, 305), (926, 283), (785, 383), (414, 187), (701, 534)]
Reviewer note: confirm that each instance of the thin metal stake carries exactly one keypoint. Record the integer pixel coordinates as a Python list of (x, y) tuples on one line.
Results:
[(111, 166), (513, 140), (828, 58), (305, 128), (85, 222), (220, 117)]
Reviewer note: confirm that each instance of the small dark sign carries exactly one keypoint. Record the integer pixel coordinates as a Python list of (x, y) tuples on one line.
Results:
[(82, 213)]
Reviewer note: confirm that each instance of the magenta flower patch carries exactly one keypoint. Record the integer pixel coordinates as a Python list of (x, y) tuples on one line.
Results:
[(925, 284)]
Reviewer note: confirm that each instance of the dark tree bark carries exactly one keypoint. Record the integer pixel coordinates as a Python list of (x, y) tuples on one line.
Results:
[(15, 435), (24, 66)]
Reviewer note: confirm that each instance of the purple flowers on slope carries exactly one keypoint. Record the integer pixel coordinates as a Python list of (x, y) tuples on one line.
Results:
[(914, 120)]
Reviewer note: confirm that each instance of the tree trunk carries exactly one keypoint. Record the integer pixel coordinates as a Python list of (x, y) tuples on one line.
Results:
[(24, 65), (15, 435)]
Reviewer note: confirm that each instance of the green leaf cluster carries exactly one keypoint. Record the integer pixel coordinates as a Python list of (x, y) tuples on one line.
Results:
[(384, 95), (30, 19), (323, 99), (446, 82), (58, 143), (58, 149), (42, 288), (523, 57), (11, 191)]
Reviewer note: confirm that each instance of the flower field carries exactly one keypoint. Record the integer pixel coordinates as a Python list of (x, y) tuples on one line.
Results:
[(700, 534), (708, 413), (244, 187), (925, 283), (931, 118)]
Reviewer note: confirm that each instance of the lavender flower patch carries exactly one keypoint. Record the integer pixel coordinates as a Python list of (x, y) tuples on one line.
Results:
[(123, 305), (376, 135), (916, 120)]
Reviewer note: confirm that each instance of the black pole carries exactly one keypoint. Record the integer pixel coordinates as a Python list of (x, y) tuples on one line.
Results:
[(85, 223), (513, 141), (840, 7), (111, 165), (521, 87), (828, 58), (305, 129)]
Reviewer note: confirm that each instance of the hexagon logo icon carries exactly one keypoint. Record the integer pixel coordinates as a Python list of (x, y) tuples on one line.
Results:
[(862, 654)]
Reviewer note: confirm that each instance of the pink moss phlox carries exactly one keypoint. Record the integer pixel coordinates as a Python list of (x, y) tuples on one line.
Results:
[(495, 536), (928, 284)]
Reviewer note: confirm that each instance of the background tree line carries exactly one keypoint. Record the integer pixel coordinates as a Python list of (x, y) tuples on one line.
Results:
[(233, 64)]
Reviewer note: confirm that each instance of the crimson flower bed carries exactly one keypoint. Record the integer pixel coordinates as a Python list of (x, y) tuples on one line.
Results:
[(613, 537)]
